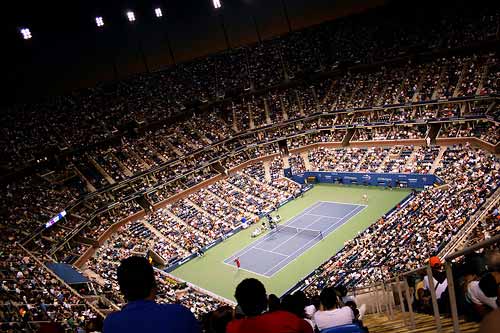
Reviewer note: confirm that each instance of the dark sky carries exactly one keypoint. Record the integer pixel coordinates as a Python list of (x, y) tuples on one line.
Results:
[(67, 50)]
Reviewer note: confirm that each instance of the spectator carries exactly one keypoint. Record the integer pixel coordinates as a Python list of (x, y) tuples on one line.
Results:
[(251, 297), (332, 313), (342, 290), (217, 320), (439, 277), (482, 295), (274, 303), (137, 283)]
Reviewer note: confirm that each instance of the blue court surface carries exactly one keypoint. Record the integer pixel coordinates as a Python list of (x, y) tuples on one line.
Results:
[(269, 254)]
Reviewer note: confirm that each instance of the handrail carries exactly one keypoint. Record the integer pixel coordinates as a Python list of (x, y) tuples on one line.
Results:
[(406, 298), (464, 231), (485, 243), (95, 309), (196, 287)]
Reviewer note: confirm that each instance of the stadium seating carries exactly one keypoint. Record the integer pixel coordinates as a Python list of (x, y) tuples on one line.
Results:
[(351, 95)]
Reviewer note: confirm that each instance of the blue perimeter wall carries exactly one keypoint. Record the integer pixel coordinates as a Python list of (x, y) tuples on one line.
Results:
[(412, 180)]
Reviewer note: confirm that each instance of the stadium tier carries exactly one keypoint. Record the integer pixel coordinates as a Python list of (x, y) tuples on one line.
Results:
[(188, 165)]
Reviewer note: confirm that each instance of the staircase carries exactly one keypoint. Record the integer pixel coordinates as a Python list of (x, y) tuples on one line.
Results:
[(433, 132), (307, 163), (438, 159), (390, 156), (101, 171), (348, 136), (413, 157), (458, 241), (380, 323)]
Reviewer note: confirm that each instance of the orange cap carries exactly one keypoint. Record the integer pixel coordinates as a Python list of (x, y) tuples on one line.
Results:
[(434, 261)]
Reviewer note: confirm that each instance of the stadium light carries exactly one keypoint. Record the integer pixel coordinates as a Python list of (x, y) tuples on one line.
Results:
[(131, 16), (158, 12), (217, 4), (99, 21), (26, 33)]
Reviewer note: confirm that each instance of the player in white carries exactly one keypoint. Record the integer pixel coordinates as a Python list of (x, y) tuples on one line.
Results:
[(365, 197)]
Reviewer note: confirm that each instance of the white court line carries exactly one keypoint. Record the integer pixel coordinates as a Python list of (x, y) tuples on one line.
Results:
[(250, 246), (346, 218), (249, 271), (286, 241), (296, 257), (343, 203), (305, 212), (269, 234), (261, 249), (349, 217), (300, 248), (328, 217)]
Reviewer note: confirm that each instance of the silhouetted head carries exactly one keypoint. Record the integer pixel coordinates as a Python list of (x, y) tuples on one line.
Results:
[(136, 279), (218, 319), (251, 297), (328, 298), (273, 303)]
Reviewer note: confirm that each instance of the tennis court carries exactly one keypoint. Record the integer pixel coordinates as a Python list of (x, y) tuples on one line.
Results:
[(275, 250)]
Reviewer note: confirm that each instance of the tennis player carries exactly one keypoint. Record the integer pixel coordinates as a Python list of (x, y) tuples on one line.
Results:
[(237, 262)]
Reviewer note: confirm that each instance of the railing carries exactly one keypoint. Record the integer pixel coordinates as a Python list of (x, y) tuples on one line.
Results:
[(197, 288), (400, 286), (471, 224), (73, 291)]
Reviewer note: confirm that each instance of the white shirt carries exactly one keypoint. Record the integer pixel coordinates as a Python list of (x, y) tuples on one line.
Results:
[(331, 318), (477, 296), (440, 288), (346, 299)]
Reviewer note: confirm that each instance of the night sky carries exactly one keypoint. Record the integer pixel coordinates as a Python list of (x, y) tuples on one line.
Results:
[(68, 51)]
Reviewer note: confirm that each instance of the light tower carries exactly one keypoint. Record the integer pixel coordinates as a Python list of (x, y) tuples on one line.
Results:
[(131, 18), (218, 6), (159, 15)]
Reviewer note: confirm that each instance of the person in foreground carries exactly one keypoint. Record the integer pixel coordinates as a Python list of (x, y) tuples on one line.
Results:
[(252, 300), (332, 313), (142, 314)]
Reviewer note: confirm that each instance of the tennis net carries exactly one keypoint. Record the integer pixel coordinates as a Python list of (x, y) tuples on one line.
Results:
[(308, 232)]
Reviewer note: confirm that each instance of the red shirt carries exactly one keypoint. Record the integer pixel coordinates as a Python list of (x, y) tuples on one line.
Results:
[(273, 322)]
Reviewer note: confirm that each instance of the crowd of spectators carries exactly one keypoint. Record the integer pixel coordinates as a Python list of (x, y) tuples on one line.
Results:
[(485, 131), (398, 159), (100, 165), (102, 270), (416, 231), (94, 115), (32, 296), (185, 226)]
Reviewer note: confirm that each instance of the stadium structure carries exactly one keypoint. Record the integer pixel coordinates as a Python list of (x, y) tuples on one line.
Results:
[(343, 153)]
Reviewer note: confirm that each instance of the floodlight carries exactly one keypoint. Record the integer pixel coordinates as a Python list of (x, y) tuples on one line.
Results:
[(26, 33), (131, 16), (99, 21), (217, 4), (158, 12)]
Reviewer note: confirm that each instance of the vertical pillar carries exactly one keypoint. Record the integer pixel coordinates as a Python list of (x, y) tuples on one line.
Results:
[(235, 122), (453, 300), (410, 305), (283, 109), (251, 123), (266, 111), (299, 103), (315, 98), (435, 306), (401, 301)]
